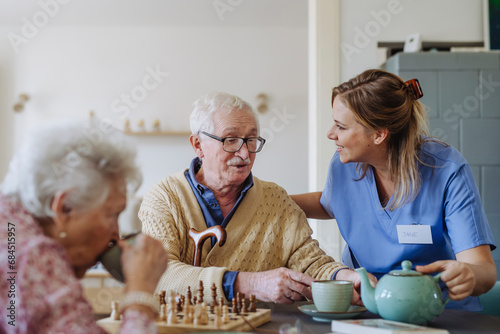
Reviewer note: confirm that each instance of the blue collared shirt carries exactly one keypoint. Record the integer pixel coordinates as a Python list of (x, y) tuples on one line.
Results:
[(213, 214)]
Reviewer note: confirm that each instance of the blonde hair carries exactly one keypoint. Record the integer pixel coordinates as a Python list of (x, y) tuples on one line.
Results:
[(381, 100)]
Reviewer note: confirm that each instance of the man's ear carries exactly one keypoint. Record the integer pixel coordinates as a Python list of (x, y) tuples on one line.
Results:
[(196, 144), (380, 136), (60, 209)]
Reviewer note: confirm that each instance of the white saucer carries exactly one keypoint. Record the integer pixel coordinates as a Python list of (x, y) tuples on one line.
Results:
[(311, 310)]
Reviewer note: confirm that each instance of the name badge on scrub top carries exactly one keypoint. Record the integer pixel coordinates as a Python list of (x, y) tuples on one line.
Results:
[(414, 234)]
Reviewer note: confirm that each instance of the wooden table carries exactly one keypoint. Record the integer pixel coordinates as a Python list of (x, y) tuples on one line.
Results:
[(455, 321)]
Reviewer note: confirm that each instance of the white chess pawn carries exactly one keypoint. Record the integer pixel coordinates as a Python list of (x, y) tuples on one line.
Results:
[(163, 312), (218, 317), (188, 314), (115, 315), (225, 314), (197, 316), (171, 317), (204, 313)]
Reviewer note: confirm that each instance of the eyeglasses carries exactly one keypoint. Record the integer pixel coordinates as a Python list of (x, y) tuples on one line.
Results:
[(234, 144)]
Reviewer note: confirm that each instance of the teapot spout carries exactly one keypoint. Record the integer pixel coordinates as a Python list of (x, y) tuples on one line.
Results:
[(367, 291)]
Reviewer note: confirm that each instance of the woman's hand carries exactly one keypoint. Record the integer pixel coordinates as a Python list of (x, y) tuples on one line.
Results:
[(143, 263), (473, 273), (355, 278), (458, 276)]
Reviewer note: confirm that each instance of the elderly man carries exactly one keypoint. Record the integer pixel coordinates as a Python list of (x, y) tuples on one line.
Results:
[(269, 251)]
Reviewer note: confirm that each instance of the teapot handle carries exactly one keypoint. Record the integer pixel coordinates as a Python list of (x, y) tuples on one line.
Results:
[(436, 279)]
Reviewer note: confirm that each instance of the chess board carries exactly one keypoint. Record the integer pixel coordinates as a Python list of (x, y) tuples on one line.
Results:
[(236, 323)]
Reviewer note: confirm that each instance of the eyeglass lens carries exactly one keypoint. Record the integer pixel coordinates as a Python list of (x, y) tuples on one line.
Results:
[(234, 144)]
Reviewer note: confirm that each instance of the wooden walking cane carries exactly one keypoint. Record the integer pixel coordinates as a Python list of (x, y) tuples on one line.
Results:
[(199, 238)]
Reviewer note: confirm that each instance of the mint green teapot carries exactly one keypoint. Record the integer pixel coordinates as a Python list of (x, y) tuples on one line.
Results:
[(403, 295)]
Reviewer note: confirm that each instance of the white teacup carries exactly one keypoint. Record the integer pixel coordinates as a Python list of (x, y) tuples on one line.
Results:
[(111, 258), (332, 296)]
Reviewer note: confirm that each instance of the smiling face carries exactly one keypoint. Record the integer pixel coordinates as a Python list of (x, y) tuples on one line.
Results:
[(355, 143), (222, 168), (90, 232)]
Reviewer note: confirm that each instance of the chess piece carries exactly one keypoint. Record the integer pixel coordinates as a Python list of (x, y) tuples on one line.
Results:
[(171, 305), (244, 308), (235, 306), (171, 317), (239, 299), (197, 316), (204, 313), (200, 292), (188, 319), (163, 312), (252, 304), (163, 293), (180, 303), (188, 296), (225, 314), (218, 317), (115, 315), (221, 303), (214, 298)]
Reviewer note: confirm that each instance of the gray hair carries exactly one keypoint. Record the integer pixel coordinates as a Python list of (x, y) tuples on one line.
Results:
[(69, 157), (202, 119)]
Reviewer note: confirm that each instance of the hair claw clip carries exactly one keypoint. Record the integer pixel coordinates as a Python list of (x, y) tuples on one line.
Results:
[(414, 85)]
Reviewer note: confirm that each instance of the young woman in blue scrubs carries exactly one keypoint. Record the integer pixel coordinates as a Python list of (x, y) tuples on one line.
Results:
[(398, 194)]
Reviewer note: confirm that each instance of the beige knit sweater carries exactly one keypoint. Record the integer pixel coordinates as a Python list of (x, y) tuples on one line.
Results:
[(267, 231)]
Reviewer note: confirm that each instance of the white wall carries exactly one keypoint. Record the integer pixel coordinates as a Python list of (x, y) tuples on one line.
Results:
[(7, 96), (366, 22), (69, 71)]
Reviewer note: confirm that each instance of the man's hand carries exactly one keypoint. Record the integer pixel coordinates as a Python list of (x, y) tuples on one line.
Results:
[(280, 285), (353, 276)]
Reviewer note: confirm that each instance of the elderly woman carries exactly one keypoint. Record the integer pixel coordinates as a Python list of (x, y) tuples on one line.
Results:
[(389, 181), (59, 206)]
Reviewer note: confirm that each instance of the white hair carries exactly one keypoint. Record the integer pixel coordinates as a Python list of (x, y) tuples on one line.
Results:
[(202, 119), (73, 158)]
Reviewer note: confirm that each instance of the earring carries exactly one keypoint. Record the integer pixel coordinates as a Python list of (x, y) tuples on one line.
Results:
[(63, 235)]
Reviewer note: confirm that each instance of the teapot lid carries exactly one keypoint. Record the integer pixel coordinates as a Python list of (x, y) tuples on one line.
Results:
[(406, 271)]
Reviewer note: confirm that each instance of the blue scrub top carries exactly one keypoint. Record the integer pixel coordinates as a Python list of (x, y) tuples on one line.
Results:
[(448, 201)]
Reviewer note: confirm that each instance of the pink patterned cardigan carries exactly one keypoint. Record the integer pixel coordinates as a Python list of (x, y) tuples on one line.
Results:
[(39, 292)]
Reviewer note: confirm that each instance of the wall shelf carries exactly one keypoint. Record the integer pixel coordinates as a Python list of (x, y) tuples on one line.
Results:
[(157, 133)]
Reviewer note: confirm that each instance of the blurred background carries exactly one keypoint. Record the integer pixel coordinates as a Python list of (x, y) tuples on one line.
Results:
[(134, 63)]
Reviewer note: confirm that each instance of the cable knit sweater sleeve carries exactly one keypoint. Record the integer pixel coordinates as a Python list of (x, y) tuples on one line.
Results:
[(267, 231)]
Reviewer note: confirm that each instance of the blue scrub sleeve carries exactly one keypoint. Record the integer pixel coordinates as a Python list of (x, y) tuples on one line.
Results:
[(228, 283), (464, 216), (326, 196)]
